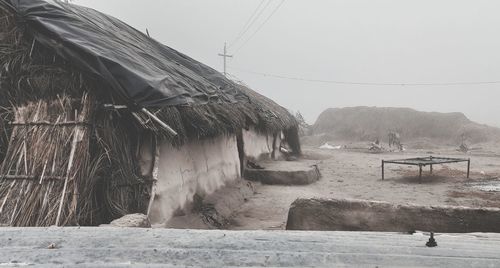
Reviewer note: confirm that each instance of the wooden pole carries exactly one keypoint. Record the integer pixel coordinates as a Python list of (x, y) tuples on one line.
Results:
[(225, 56), (155, 118), (76, 136), (154, 174)]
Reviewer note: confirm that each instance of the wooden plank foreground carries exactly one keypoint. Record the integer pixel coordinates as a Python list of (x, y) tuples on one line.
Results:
[(127, 247)]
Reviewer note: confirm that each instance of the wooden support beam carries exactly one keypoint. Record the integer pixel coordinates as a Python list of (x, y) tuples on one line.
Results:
[(161, 123), (47, 123), (31, 177), (154, 174)]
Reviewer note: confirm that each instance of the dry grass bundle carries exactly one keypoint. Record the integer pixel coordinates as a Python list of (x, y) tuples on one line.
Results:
[(7, 39), (47, 164), (121, 189)]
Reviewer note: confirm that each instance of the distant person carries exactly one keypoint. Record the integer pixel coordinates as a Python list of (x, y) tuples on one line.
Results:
[(395, 139)]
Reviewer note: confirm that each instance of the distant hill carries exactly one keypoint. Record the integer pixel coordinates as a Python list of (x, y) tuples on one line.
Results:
[(368, 123)]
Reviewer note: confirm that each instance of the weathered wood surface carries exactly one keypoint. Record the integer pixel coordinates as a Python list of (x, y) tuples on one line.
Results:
[(127, 247), (361, 215)]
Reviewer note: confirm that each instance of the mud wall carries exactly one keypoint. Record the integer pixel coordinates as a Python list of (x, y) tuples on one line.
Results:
[(356, 215), (260, 146), (199, 167)]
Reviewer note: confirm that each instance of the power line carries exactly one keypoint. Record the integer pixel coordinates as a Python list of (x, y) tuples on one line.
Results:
[(236, 79), (260, 27), (367, 83), (250, 22)]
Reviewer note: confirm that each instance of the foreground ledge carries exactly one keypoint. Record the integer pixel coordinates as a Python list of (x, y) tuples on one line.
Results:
[(360, 215), (136, 247)]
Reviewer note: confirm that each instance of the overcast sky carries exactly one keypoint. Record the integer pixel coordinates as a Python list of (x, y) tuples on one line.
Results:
[(380, 41)]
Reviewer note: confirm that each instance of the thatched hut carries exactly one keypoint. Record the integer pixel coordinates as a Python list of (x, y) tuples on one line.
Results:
[(98, 120)]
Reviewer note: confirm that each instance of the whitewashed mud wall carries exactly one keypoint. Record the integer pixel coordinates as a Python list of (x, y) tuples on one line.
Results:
[(198, 167), (258, 146)]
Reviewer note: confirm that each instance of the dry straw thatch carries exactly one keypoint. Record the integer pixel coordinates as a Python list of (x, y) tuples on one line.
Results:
[(48, 164), (71, 161)]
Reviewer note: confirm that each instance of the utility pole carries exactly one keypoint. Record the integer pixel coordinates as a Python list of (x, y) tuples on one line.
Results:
[(225, 56)]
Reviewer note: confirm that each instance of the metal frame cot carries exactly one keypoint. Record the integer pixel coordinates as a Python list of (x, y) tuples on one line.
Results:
[(425, 161)]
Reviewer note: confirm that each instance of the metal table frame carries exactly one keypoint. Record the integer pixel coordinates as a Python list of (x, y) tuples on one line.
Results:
[(425, 161)]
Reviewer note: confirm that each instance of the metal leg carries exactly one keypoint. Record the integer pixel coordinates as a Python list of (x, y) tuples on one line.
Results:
[(383, 175), (468, 168), (431, 169), (420, 174)]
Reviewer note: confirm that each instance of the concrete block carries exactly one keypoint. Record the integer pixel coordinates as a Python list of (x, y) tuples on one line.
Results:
[(284, 173), (359, 215)]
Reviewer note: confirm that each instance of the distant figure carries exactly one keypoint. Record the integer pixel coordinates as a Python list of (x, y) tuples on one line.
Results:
[(395, 139), (463, 146)]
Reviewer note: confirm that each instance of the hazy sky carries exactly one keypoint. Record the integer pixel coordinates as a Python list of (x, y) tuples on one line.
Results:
[(382, 41)]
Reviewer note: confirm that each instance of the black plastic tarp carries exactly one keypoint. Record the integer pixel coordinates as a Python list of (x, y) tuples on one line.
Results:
[(141, 70)]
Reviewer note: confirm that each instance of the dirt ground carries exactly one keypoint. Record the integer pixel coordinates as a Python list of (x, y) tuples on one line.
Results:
[(355, 173)]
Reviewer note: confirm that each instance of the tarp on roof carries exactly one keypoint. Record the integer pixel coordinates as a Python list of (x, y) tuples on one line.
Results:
[(136, 67)]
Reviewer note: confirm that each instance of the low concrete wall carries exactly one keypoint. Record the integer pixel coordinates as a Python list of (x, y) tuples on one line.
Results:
[(284, 173), (357, 215)]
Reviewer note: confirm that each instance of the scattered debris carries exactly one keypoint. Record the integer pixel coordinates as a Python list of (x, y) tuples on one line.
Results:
[(253, 165), (211, 217), (376, 147)]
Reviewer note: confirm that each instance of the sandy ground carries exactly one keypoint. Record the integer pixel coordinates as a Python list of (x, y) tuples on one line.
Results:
[(356, 173)]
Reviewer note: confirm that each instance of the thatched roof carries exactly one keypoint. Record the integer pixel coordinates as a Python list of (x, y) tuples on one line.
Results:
[(108, 62), (272, 116), (65, 48)]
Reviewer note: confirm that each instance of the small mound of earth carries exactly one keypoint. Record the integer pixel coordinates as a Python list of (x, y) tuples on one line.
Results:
[(213, 211), (132, 220)]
